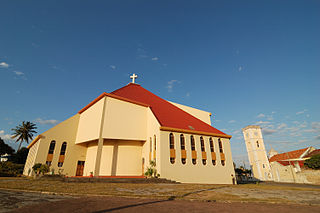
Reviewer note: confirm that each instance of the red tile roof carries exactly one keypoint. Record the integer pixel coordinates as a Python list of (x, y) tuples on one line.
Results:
[(288, 155), (166, 113), (314, 152)]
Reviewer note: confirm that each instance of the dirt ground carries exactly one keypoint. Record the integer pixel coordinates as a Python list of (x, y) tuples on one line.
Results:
[(29, 195), (116, 204)]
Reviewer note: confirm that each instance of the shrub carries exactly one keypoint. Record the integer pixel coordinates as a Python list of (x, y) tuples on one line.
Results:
[(313, 162), (9, 169), (40, 168)]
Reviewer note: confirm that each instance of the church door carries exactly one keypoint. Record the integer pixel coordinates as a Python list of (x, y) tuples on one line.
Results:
[(80, 167)]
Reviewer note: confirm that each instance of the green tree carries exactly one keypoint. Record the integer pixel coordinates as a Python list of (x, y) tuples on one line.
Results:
[(24, 132), (5, 148), (21, 156), (313, 162)]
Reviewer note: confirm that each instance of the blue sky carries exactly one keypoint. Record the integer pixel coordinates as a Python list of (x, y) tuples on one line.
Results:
[(247, 62)]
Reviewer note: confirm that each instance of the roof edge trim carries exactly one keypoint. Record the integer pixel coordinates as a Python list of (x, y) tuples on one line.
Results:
[(164, 128), (34, 141), (112, 96)]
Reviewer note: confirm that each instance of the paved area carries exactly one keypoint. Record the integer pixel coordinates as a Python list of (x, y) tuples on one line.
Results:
[(116, 204), (10, 200)]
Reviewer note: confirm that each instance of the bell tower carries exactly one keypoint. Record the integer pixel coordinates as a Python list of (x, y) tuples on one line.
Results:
[(257, 153)]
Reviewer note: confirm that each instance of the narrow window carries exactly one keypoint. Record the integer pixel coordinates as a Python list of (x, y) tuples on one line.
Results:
[(203, 150), (150, 150), (212, 152), (202, 144), (50, 153), (221, 152), (62, 154), (193, 148), (211, 145), (258, 144), (220, 146), (171, 146), (154, 148), (171, 139), (183, 149)]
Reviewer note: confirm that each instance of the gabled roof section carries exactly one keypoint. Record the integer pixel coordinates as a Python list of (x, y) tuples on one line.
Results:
[(112, 96), (288, 155), (168, 115)]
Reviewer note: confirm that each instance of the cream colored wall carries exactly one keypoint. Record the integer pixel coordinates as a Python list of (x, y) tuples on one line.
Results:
[(283, 173), (90, 121), (199, 173), (90, 158), (153, 129), (200, 114), (257, 155), (124, 120), (28, 171), (121, 158), (65, 131)]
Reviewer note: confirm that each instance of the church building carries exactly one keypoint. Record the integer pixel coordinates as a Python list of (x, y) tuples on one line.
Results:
[(119, 133)]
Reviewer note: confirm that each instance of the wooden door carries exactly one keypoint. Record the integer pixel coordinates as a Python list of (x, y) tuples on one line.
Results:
[(80, 167)]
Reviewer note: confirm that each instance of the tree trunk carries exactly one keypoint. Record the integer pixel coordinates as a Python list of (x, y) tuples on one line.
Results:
[(19, 146)]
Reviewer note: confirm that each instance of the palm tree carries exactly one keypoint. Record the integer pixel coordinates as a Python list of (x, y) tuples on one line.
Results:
[(24, 132)]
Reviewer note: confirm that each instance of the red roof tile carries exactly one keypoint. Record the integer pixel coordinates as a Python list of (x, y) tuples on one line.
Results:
[(166, 113), (288, 155), (314, 152)]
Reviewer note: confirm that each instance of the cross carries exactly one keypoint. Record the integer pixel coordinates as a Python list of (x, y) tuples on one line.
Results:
[(134, 76)]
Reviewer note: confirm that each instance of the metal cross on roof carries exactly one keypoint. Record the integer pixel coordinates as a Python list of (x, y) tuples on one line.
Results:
[(133, 77)]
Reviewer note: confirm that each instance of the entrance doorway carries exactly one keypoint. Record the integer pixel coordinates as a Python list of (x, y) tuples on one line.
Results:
[(80, 167)]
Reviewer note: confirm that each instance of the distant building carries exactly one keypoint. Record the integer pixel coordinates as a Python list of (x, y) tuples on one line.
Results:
[(257, 153), (5, 157), (283, 167)]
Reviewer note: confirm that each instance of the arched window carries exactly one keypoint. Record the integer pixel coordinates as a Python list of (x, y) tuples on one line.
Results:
[(213, 155), (193, 145), (211, 145), (223, 162), (258, 144), (220, 145), (50, 153), (150, 150), (154, 148), (203, 150), (171, 146), (62, 154), (193, 150), (202, 144), (51, 147), (183, 149), (171, 141)]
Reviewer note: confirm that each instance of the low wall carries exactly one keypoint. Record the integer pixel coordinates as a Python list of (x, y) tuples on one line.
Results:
[(308, 176)]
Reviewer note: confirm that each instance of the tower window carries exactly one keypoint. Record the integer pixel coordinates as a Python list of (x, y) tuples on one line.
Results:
[(258, 144)]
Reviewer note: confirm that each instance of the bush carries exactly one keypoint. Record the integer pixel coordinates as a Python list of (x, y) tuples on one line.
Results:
[(40, 168), (313, 162), (9, 169)]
